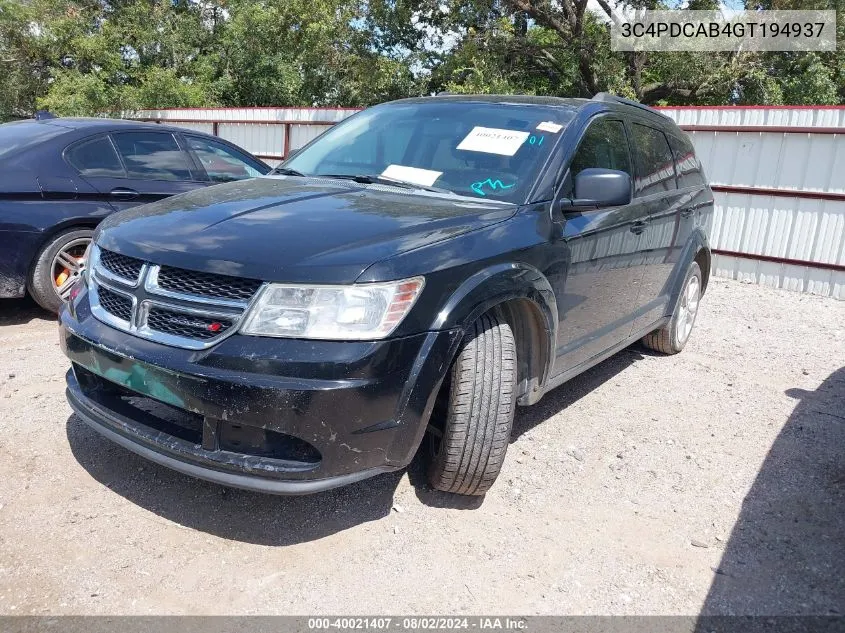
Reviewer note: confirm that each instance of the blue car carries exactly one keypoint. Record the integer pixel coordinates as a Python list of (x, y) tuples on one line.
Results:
[(59, 177)]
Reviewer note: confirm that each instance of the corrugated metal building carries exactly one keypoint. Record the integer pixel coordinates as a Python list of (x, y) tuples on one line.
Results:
[(779, 178), (269, 133), (778, 174)]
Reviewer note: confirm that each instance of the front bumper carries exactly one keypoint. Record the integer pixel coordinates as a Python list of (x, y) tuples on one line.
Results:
[(274, 415)]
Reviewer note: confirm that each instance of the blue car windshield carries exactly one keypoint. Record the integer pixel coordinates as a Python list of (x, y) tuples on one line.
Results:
[(472, 148)]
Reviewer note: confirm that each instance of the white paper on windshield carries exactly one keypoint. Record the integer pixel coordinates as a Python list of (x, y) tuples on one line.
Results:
[(413, 175), (550, 126), (492, 140)]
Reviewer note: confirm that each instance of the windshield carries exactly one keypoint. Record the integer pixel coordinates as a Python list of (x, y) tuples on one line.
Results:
[(483, 150)]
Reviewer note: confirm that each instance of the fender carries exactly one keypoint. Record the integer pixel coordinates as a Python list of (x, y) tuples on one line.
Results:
[(45, 236), (535, 325), (696, 243)]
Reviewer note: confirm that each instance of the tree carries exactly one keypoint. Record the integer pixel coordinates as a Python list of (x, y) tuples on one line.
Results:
[(120, 55), (23, 65), (567, 37), (808, 77), (304, 52), (95, 56)]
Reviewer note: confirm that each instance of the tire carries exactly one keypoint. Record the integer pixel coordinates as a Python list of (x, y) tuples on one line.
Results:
[(42, 282), (480, 403), (672, 338)]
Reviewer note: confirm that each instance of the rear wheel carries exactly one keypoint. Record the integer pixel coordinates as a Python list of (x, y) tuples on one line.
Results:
[(58, 267), (479, 409), (672, 338)]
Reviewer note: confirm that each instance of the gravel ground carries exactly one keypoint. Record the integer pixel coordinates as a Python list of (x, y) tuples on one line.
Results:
[(708, 482)]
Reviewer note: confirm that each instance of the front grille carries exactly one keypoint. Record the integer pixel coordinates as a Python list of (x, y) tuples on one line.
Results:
[(186, 325), (191, 282), (121, 266), (115, 304), (173, 306)]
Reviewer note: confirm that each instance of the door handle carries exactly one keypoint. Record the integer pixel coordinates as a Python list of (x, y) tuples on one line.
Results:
[(639, 226), (122, 193)]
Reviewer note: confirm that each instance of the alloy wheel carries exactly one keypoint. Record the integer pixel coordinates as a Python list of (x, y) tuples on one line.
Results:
[(688, 308), (68, 265)]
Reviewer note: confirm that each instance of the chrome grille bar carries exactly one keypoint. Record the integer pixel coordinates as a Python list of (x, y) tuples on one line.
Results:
[(175, 311)]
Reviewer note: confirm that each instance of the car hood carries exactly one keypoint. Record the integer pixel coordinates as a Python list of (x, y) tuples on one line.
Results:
[(293, 229)]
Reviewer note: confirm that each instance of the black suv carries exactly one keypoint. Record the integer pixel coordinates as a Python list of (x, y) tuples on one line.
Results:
[(413, 274)]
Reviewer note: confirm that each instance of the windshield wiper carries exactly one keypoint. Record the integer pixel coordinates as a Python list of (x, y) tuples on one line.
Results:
[(374, 179), (286, 171)]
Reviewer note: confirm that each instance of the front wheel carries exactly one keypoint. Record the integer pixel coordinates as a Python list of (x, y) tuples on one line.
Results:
[(672, 338), (58, 267), (480, 403)]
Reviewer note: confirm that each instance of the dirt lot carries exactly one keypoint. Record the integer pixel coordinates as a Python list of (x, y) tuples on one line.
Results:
[(712, 481)]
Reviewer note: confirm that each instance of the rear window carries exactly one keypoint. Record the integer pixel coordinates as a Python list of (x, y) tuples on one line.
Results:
[(655, 165), (95, 158), (21, 135)]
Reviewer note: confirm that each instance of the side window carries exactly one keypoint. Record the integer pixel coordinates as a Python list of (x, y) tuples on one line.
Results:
[(95, 158), (655, 166), (152, 156), (222, 163), (686, 164), (604, 145)]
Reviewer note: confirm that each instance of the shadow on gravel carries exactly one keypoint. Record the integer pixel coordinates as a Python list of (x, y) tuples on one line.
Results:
[(573, 390), (20, 311), (418, 476), (226, 512), (274, 520), (786, 554), (526, 419)]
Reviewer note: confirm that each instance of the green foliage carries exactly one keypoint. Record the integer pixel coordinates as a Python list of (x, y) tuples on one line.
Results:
[(81, 57), (23, 71)]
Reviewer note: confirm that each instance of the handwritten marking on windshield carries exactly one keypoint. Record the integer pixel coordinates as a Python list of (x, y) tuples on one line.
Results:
[(495, 185)]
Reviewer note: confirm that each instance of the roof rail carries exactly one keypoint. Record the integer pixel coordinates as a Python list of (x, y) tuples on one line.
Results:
[(606, 96)]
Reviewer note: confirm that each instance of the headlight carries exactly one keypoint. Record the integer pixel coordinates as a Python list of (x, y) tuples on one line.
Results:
[(353, 312)]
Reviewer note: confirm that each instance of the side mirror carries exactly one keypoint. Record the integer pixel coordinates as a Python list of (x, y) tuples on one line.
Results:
[(596, 188)]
